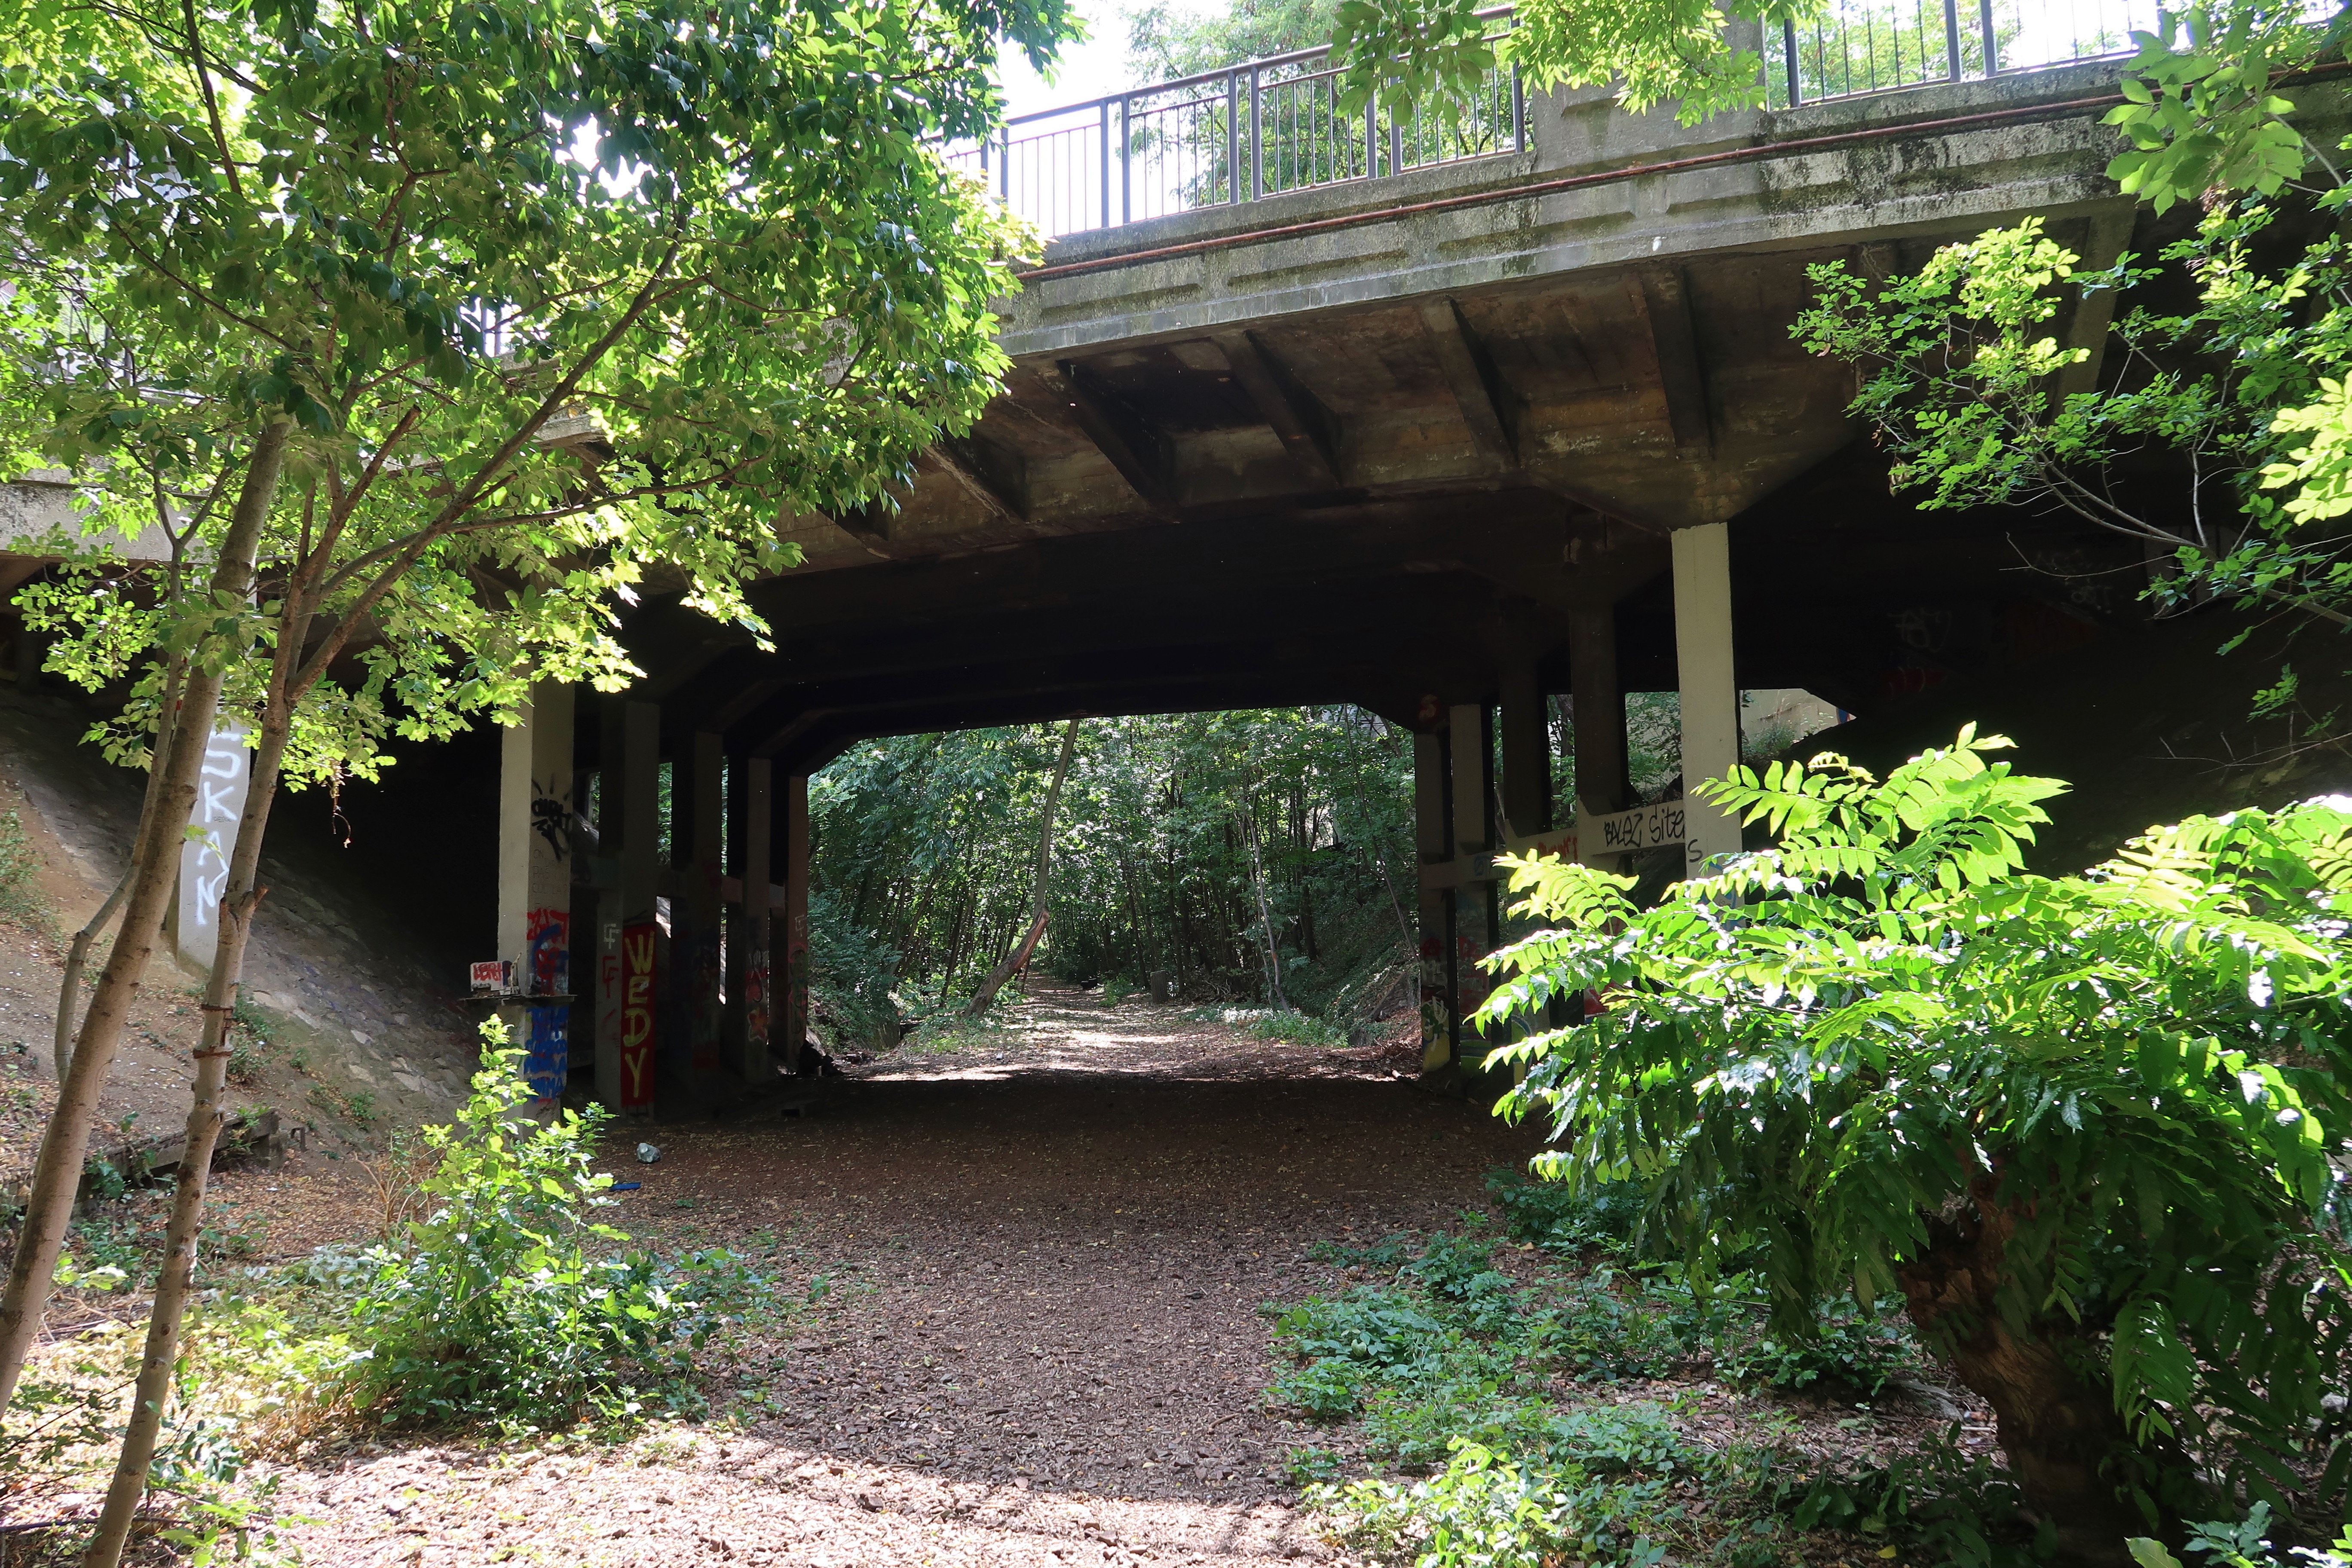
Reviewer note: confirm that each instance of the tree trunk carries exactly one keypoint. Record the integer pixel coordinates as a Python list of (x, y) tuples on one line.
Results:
[(155, 856), (70, 984), (238, 901), (2058, 1428), (1020, 954), (1257, 884)]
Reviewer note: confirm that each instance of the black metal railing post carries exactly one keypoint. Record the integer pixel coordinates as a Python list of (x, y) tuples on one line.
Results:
[(1789, 51), (1102, 161), (1127, 159), (1991, 39), (1952, 38)]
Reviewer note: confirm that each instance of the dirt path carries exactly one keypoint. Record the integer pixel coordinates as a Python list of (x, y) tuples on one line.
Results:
[(1038, 1268)]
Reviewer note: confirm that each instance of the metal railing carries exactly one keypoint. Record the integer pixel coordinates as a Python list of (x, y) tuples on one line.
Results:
[(1272, 125), (1227, 136), (1882, 46)]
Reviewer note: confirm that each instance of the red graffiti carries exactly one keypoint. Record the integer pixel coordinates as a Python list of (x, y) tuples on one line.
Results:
[(547, 951), (637, 1017)]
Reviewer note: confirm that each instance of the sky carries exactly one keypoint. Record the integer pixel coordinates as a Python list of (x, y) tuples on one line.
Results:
[(1085, 71)]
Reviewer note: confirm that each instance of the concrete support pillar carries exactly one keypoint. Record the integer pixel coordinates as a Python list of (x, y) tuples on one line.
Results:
[(697, 831), (1601, 782), (1470, 754), (750, 833), (792, 1014), (628, 821), (1433, 846), (535, 807), (1527, 752), (1710, 687)]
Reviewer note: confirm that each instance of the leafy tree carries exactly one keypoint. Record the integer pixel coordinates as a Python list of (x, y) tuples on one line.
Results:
[(1435, 52), (2088, 1127), (2219, 432), (435, 329)]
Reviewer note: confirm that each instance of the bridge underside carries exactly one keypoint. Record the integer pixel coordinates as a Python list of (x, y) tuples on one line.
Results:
[(1440, 447), (1437, 454)]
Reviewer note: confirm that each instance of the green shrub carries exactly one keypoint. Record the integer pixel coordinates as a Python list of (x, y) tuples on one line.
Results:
[(2245, 1545), (1297, 1030), (2102, 1111), (1598, 1217), (507, 1304), (1944, 1505)]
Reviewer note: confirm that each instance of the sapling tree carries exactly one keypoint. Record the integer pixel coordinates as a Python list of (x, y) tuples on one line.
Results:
[(483, 316), (2090, 1127)]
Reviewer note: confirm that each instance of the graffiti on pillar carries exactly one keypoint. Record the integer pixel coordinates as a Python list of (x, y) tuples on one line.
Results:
[(546, 1056), (1436, 1005), (637, 1017), (794, 1022), (755, 1000), (608, 995), (203, 858), (550, 814), (547, 951)]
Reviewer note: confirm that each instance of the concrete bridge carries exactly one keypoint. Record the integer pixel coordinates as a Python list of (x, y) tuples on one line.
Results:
[(1438, 436)]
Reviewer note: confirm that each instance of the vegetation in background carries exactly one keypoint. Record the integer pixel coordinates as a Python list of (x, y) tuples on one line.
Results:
[(2086, 1126), (21, 898), (924, 845)]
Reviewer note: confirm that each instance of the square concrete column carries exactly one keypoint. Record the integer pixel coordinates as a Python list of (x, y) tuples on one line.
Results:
[(535, 806), (1433, 847), (750, 832), (1601, 784), (1527, 752), (1710, 687), (791, 964), (1470, 754), (697, 798), (628, 824)]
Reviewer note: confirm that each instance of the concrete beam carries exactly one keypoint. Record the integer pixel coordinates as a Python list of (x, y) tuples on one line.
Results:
[(1488, 405), (1142, 455), (1661, 298), (1309, 431), (990, 473), (2086, 328)]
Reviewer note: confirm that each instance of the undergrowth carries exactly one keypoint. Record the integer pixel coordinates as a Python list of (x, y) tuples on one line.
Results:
[(495, 1299), (1491, 1408), (21, 898)]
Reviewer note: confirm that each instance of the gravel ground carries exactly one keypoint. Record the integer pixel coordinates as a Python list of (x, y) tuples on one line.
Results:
[(1018, 1284), (1037, 1339)]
